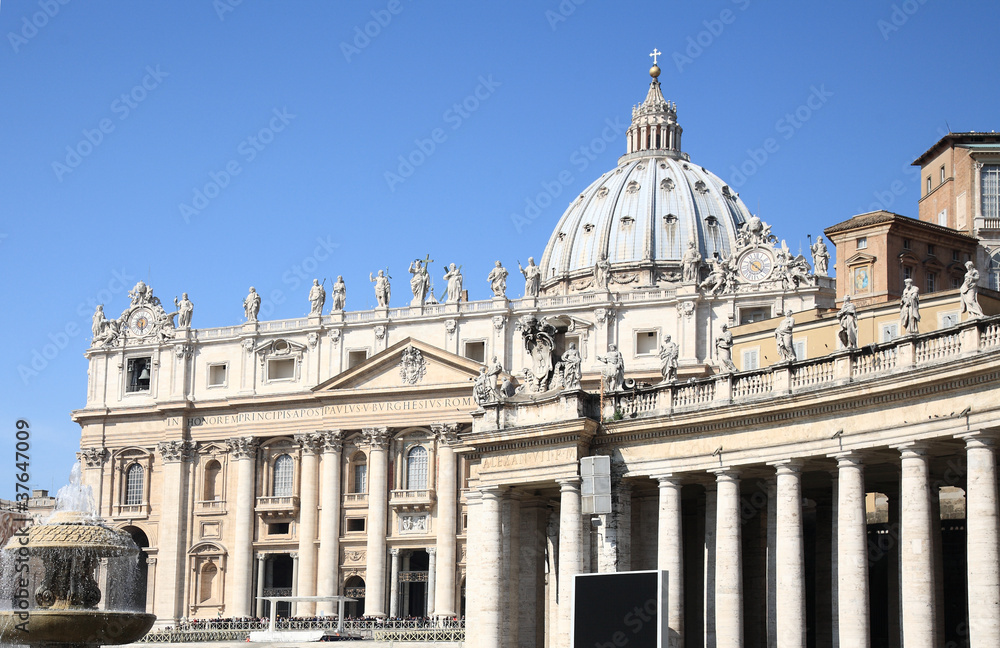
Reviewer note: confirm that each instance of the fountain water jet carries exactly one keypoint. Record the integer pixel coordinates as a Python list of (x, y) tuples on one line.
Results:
[(67, 548)]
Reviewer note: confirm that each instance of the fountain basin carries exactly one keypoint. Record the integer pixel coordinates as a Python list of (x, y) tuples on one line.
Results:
[(74, 628)]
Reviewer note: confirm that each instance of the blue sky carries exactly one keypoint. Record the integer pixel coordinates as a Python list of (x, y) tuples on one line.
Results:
[(290, 120)]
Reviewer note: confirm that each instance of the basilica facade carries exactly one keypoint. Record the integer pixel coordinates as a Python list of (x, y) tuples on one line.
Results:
[(800, 489)]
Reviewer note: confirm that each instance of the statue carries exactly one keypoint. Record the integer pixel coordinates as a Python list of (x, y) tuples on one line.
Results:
[(848, 318), (668, 359), (339, 294), (139, 294), (821, 258), (498, 281), (382, 288), (571, 371), (539, 341), (98, 323), (970, 291), (532, 277), (454, 279), (716, 279), (185, 309), (317, 297), (783, 338), (613, 371), (691, 262), (420, 281), (483, 392), (602, 272), (909, 308), (251, 305), (724, 346)]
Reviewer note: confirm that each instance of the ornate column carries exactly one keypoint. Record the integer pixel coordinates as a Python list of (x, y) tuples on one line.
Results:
[(431, 577), (243, 451), (295, 580), (328, 559), (916, 559), (728, 562), (491, 572), (92, 461), (669, 555), (854, 621), (394, 584), (171, 533), (258, 605), (790, 556), (377, 440), (447, 521), (312, 445), (981, 527), (569, 552)]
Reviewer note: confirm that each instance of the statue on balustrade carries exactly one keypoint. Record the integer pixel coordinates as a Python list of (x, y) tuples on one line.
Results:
[(783, 338), (454, 278), (382, 288), (724, 347), (532, 277), (970, 291), (498, 281), (339, 294), (251, 305), (691, 263), (420, 280), (317, 297), (716, 279), (909, 308), (848, 318), (613, 371), (483, 390), (185, 309), (668, 359), (821, 257)]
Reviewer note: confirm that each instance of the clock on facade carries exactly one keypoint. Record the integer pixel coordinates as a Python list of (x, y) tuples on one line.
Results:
[(755, 266), (140, 322)]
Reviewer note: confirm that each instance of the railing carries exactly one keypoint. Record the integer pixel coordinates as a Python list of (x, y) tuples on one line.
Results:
[(423, 494), (240, 629), (873, 360), (362, 316), (753, 385), (646, 295), (218, 332), (215, 506), (937, 348), (132, 510), (989, 335), (695, 394), (813, 373), (633, 404), (277, 505), (284, 325), (422, 634), (356, 498)]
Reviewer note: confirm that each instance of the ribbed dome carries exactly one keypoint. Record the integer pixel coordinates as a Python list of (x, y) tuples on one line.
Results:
[(643, 213)]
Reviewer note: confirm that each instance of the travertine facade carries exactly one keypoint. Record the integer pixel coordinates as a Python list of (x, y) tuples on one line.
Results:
[(349, 453)]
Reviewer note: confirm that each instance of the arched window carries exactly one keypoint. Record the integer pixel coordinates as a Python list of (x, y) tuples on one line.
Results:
[(212, 470), (416, 468), (359, 468), (283, 468), (133, 485), (208, 574)]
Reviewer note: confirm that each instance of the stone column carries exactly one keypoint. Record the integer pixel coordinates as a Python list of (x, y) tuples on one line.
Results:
[(569, 552), (377, 440), (790, 556), (474, 567), (916, 561), (312, 445), (258, 605), (853, 615), (447, 521), (983, 558), (711, 500), (511, 548), (491, 570), (394, 584), (772, 567), (728, 562), (243, 451), (295, 580), (431, 578), (669, 555), (328, 560), (169, 605)]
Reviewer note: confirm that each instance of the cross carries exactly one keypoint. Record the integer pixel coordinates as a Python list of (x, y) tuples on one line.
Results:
[(654, 54)]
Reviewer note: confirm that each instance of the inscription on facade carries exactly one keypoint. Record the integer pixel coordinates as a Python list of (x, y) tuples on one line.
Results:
[(528, 457)]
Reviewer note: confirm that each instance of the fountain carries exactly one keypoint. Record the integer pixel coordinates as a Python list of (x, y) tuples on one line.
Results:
[(65, 551)]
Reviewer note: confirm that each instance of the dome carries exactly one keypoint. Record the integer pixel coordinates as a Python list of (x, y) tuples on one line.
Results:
[(641, 215)]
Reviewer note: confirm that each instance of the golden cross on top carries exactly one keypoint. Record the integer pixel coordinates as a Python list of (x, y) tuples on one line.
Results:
[(654, 54)]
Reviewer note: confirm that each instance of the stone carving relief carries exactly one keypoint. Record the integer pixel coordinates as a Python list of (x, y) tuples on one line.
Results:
[(379, 332), (450, 326), (144, 321), (412, 366), (242, 447), (179, 450), (499, 321), (312, 339), (376, 437), (539, 342), (334, 335), (686, 309), (413, 524), (355, 555), (93, 457)]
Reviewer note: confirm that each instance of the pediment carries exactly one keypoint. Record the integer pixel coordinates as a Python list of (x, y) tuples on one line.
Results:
[(860, 258), (408, 364)]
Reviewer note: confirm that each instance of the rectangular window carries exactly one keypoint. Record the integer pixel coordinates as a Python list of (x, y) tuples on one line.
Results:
[(931, 282), (863, 243), (283, 369), (751, 315), (954, 255), (138, 372), (906, 244), (907, 272), (990, 182), (361, 478), (943, 218), (751, 359), (890, 332), (355, 525), (942, 173), (217, 375), (277, 528), (949, 319), (645, 342), (354, 358), (930, 249), (928, 184), (476, 351), (800, 349)]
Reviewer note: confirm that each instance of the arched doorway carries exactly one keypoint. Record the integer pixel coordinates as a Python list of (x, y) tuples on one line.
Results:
[(355, 588), (461, 611), (135, 598)]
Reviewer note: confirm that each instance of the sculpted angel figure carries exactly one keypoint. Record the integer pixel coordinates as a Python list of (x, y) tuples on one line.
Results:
[(970, 291), (716, 280), (498, 281)]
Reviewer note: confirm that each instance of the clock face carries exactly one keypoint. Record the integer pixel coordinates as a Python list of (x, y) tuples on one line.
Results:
[(140, 322), (755, 266)]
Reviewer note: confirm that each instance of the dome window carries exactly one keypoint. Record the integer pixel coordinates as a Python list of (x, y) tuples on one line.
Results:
[(627, 220), (701, 187), (561, 235), (686, 167), (712, 221), (727, 192), (633, 187), (640, 167), (670, 219), (588, 228), (663, 165), (667, 184), (602, 192)]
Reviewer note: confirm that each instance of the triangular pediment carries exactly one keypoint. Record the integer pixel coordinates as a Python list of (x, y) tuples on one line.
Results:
[(408, 364), (860, 258)]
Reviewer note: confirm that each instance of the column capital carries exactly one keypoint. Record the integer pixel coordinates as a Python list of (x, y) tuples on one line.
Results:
[(978, 439), (726, 474), (446, 433), (174, 451), (394, 552), (311, 442), (333, 440), (848, 459), (491, 491), (569, 484), (668, 480), (912, 449), (242, 447), (294, 555), (376, 438), (788, 466), (431, 551), (92, 457)]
